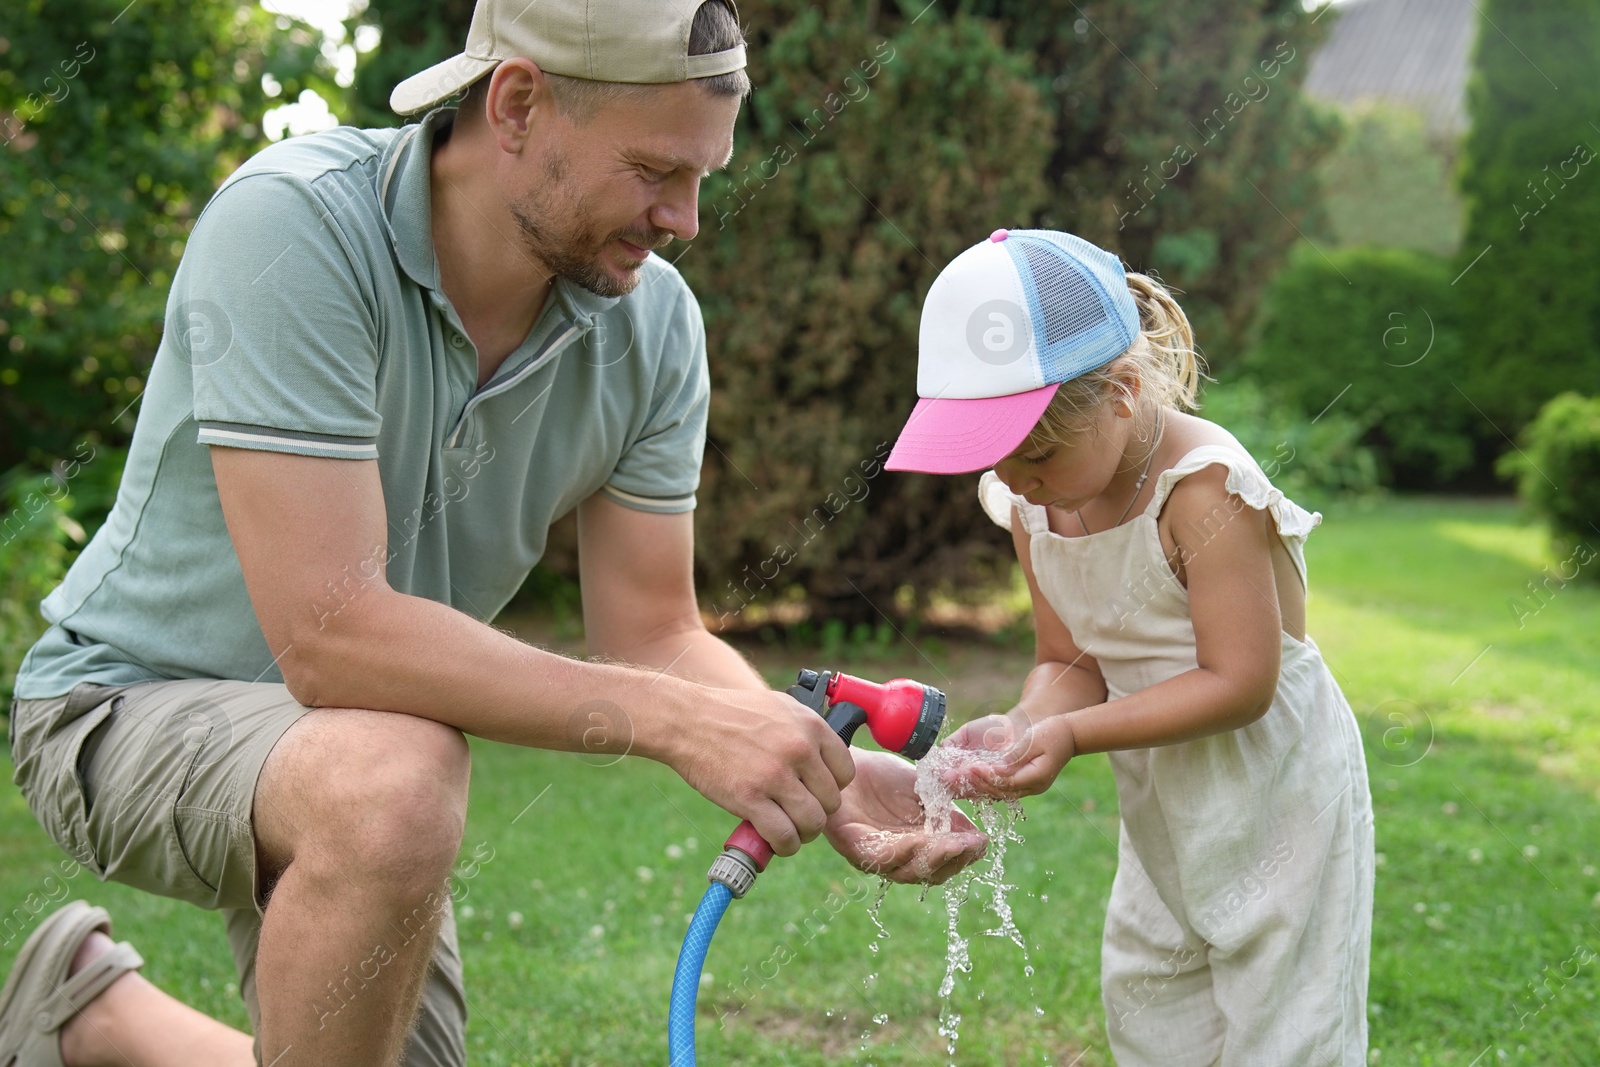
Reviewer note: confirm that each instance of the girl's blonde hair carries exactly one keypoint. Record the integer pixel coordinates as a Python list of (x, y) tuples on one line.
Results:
[(1162, 359)]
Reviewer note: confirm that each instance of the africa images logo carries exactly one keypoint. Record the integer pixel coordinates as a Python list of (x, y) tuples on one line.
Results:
[(997, 332)]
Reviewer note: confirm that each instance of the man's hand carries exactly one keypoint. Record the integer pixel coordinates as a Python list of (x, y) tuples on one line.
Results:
[(759, 754), (1026, 756), (878, 826), (765, 757)]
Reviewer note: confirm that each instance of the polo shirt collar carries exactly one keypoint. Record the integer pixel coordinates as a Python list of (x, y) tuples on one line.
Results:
[(406, 191)]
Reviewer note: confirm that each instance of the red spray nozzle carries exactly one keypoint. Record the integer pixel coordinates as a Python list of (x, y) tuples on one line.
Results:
[(903, 715)]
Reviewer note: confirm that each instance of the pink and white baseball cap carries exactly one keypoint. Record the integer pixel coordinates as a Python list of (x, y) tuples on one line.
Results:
[(1003, 325)]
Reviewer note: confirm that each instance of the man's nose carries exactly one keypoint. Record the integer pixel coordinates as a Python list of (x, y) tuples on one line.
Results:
[(678, 210)]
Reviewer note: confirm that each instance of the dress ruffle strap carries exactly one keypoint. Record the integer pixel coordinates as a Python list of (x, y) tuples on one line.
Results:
[(1246, 480), (998, 501)]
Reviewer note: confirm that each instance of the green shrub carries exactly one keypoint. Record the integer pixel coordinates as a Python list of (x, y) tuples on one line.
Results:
[(1370, 333), (1558, 473), (38, 538), (1312, 462)]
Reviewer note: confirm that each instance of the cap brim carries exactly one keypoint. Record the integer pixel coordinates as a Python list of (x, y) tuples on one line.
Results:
[(948, 436), (438, 83)]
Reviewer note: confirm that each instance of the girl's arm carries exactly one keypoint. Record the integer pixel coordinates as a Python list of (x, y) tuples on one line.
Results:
[(1064, 679), (1225, 550)]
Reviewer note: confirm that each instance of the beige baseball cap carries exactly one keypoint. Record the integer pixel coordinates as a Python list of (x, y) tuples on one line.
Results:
[(643, 42)]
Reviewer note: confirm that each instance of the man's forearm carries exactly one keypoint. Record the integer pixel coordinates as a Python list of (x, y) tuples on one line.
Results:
[(697, 655), (391, 652)]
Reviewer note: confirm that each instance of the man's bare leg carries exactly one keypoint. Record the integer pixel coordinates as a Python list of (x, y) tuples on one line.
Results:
[(358, 818), (362, 814), (134, 1024)]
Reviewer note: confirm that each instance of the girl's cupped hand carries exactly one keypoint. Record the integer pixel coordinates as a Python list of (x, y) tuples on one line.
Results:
[(1013, 756)]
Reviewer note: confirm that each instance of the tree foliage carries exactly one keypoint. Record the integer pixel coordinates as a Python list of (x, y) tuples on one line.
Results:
[(1389, 184), (866, 162), (1181, 139), (1530, 291), (117, 121)]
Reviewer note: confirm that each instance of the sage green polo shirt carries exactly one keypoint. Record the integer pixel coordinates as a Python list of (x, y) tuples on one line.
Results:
[(306, 317)]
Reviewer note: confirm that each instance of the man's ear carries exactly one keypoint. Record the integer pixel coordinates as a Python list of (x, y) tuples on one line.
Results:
[(518, 97)]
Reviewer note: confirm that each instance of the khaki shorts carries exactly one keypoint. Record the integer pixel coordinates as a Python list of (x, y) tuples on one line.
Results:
[(153, 785)]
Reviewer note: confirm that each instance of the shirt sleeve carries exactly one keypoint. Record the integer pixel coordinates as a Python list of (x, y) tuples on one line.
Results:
[(660, 470), (268, 309)]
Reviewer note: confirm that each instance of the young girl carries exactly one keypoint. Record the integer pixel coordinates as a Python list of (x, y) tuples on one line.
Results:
[(1169, 588)]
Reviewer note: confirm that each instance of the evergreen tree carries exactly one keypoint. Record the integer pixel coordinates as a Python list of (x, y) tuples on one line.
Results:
[(1530, 270)]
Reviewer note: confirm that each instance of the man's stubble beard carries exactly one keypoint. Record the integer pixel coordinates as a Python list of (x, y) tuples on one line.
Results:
[(573, 252)]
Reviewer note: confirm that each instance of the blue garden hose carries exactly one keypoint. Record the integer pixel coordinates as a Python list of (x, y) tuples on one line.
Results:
[(686, 982), (902, 715)]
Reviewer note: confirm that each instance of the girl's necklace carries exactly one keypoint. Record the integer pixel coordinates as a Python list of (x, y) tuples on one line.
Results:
[(1137, 486)]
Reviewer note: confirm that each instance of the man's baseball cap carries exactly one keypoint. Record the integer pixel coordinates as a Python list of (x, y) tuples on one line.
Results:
[(644, 42), (1003, 325)]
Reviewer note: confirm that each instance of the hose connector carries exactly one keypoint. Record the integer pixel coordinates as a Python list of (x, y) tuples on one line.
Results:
[(734, 869)]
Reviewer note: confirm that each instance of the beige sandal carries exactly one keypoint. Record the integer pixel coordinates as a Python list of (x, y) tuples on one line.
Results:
[(39, 997)]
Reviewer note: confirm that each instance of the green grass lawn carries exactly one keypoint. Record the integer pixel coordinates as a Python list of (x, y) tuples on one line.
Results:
[(1484, 752)]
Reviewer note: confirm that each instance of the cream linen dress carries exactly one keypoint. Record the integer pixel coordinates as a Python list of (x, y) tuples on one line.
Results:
[(1240, 918)]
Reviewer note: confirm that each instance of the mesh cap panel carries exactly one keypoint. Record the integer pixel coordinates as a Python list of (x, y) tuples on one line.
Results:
[(1070, 304), (1079, 301)]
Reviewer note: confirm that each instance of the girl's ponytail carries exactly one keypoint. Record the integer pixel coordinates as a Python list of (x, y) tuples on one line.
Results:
[(1162, 359), (1174, 370)]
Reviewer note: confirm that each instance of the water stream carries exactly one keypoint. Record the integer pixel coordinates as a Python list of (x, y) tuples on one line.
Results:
[(939, 778)]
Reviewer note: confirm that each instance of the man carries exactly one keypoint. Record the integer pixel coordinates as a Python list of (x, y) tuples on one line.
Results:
[(392, 359)]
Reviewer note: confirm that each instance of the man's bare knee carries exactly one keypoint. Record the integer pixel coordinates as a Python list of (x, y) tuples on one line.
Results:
[(373, 800)]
